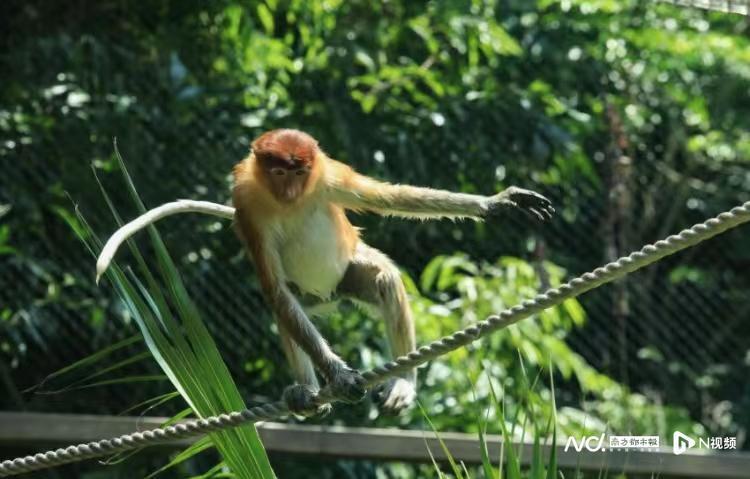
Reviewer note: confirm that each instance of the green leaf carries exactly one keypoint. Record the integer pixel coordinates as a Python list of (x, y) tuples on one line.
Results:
[(194, 449), (90, 360), (451, 461), (266, 18), (513, 465), (537, 467), (489, 472), (151, 403), (430, 273), (80, 383), (502, 42), (552, 464), (362, 58), (182, 346)]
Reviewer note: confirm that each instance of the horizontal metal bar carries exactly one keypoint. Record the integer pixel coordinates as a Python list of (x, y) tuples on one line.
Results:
[(34, 429)]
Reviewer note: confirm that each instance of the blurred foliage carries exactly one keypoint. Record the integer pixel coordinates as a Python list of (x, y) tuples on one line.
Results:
[(508, 462), (458, 292), (470, 95)]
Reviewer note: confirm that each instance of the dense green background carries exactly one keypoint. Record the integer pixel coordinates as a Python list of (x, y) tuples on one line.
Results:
[(632, 116)]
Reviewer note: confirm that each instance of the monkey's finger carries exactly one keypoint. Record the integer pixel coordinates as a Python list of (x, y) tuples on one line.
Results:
[(545, 211), (390, 403), (542, 205), (532, 202), (356, 394), (379, 394), (545, 201), (357, 390), (548, 213), (536, 197), (534, 213), (394, 404), (324, 410), (402, 403)]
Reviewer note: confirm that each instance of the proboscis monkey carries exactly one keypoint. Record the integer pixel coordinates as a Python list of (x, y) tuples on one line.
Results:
[(290, 200)]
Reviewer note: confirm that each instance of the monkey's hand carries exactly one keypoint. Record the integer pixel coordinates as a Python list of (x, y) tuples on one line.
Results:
[(346, 383), (527, 201), (395, 395), (302, 399)]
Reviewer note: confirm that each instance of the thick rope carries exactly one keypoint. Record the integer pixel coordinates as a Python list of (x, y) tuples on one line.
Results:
[(610, 272), (741, 7)]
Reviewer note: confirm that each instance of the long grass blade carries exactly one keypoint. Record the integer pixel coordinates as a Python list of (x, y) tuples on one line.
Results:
[(552, 464), (451, 461), (513, 468), (181, 344), (191, 451), (90, 360)]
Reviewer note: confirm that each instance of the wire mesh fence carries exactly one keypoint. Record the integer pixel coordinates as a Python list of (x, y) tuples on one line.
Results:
[(677, 331), (669, 331)]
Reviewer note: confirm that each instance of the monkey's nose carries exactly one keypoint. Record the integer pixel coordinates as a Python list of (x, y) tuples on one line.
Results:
[(292, 190)]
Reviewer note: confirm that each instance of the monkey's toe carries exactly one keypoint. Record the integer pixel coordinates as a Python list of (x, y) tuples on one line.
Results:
[(348, 385), (395, 395), (324, 410), (302, 399)]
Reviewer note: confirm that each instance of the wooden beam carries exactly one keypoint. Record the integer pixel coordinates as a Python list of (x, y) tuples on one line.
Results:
[(46, 430)]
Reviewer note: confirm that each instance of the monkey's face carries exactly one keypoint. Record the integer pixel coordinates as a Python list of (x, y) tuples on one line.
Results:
[(286, 159), (288, 183)]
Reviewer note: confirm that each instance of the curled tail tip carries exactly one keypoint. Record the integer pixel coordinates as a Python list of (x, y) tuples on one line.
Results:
[(101, 267)]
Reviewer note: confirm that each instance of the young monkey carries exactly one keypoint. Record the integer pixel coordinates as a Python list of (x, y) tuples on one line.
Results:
[(290, 200)]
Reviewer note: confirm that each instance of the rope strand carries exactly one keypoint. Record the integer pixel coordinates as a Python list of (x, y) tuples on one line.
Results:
[(647, 255)]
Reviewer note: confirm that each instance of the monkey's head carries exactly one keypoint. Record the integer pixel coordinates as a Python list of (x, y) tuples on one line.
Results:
[(286, 159)]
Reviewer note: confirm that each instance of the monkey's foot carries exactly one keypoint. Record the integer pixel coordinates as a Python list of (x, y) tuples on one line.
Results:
[(347, 384), (530, 202), (302, 399), (395, 395)]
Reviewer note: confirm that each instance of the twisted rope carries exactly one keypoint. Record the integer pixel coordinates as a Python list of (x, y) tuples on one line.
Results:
[(741, 7), (605, 274)]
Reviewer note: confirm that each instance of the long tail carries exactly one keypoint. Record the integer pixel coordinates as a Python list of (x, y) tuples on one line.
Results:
[(152, 216)]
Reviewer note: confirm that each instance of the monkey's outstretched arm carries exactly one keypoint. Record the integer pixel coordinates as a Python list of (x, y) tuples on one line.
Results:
[(359, 192), (152, 216)]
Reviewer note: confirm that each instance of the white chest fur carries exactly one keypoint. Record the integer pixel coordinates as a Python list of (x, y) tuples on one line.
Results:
[(310, 252)]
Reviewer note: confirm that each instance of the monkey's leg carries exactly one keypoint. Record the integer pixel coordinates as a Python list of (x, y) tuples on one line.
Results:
[(301, 398), (302, 367), (373, 278)]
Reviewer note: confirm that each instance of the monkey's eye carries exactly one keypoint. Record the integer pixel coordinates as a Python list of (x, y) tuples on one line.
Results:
[(301, 172), (278, 171)]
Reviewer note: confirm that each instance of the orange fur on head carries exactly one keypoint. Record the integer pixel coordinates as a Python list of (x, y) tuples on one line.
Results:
[(286, 163), (293, 148)]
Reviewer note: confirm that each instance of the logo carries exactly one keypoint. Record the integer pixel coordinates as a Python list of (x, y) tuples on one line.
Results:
[(591, 443), (598, 443), (681, 442)]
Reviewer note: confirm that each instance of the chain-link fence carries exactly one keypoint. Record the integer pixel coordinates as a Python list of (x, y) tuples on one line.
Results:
[(185, 104), (649, 330)]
